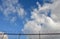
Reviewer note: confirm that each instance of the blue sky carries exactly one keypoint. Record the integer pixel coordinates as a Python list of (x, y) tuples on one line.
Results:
[(5, 24), (14, 14)]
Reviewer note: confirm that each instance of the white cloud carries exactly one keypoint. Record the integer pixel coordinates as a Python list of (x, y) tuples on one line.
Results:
[(13, 19), (12, 6), (55, 9), (31, 27), (42, 23), (20, 11), (9, 7)]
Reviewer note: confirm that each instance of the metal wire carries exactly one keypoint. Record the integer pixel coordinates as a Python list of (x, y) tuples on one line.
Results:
[(32, 34)]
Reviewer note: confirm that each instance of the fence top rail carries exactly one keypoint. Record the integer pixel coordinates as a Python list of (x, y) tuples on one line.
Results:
[(31, 34)]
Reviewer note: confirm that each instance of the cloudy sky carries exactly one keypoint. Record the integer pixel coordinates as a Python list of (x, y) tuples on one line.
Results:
[(29, 16)]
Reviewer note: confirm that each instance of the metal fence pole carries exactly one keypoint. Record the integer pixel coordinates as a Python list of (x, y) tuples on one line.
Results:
[(19, 36), (3, 36), (39, 35)]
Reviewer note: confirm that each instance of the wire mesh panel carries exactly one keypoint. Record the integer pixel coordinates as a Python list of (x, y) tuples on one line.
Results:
[(30, 36), (41, 36), (12, 36), (50, 36)]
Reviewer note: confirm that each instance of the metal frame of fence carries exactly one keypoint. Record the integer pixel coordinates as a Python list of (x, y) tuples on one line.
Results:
[(31, 34)]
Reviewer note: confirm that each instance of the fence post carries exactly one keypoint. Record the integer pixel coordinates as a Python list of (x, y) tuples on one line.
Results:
[(19, 36), (39, 35)]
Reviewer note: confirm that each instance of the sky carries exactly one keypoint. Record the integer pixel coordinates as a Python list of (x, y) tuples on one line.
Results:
[(13, 14), (29, 16)]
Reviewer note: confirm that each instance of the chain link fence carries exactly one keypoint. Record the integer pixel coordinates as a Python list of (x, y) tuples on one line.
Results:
[(32, 36)]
